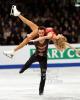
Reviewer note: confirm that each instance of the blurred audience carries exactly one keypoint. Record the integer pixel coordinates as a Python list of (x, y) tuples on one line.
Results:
[(64, 17)]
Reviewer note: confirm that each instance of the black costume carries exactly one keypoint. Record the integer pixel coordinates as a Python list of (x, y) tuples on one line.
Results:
[(39, 56)]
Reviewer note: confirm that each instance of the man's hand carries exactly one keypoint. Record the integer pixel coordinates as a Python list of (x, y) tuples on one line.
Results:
[(9, 54), (14, 11), (32, 41)]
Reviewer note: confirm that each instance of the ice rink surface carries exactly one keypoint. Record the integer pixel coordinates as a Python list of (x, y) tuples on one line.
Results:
[(61, 84)]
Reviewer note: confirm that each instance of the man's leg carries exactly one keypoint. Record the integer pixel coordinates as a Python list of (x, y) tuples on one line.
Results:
[(43, 66), (32, 59)]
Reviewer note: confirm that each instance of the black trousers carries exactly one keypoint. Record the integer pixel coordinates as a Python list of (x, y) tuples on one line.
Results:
[(43, 66)]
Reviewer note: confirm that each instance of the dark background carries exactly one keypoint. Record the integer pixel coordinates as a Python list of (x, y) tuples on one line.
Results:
[(62, 15)]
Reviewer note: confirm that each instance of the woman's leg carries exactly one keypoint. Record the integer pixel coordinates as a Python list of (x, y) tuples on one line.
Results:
[(32, 25)]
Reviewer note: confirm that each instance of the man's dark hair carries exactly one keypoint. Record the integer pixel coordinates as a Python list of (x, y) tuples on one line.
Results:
[(41, 28)]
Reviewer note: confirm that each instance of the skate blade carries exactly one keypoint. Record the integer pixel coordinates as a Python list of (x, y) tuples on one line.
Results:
[(9, 56)]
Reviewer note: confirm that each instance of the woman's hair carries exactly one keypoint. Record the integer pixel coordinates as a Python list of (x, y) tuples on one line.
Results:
[(60, 42)]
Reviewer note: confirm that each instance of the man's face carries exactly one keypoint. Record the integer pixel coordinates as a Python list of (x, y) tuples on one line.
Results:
[(41, 32)]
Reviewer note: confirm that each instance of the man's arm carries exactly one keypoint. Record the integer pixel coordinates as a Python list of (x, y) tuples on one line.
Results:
[(49, 35), (39, 39)]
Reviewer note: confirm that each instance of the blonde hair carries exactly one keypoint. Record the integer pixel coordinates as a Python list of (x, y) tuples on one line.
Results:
[(60, 42)]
